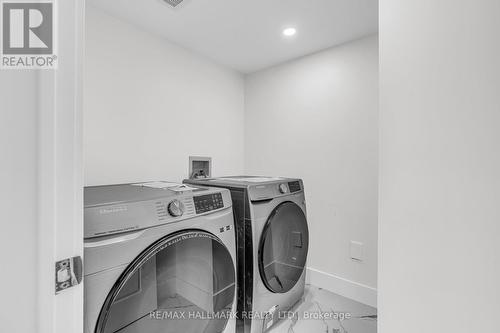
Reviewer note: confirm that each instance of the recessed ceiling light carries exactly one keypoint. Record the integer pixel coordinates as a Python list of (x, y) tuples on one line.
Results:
[(289, 32)]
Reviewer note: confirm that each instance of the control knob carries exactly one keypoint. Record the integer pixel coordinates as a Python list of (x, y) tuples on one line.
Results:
[(175, 208), (283, 188)]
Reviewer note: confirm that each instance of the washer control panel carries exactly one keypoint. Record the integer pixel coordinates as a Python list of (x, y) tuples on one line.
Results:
[(123, 208), (209, 202)]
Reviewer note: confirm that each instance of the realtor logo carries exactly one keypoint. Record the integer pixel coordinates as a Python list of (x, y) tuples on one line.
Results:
[(27, 35)]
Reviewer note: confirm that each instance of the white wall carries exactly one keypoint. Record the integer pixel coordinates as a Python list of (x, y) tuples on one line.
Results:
[(439, 166), (149, 104), (19, 200), (317, 118)]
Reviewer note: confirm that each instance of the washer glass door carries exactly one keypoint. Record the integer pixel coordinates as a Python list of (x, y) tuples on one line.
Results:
[(283, 247), (185, 282)]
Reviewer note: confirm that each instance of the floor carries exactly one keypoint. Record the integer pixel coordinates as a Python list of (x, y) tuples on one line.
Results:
[(324, 311)]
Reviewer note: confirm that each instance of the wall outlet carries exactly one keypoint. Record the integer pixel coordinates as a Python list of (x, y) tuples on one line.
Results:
[(356, 251)]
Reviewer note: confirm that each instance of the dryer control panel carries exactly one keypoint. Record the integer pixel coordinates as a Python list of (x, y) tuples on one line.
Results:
[(207, 203)]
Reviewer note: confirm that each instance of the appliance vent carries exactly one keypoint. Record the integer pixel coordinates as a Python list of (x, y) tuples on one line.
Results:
[(294, 186), (173, 3)]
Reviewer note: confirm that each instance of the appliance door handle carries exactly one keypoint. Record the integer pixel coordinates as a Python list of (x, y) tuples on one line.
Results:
[(91, 243)]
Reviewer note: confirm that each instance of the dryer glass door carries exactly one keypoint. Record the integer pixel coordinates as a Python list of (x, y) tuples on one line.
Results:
[(283, 247), (185, 282)]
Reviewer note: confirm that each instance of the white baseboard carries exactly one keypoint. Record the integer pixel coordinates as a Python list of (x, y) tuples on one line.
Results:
[(338, 285)]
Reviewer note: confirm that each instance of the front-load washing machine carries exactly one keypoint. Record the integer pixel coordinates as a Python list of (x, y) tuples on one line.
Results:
[(159, 258), (272, 245)]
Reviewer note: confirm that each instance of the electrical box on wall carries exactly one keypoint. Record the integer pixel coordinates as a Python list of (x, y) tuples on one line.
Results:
[(200, 167), (356, 251)]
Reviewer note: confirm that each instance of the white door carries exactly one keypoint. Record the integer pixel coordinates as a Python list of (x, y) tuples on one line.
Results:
[(41, 184)]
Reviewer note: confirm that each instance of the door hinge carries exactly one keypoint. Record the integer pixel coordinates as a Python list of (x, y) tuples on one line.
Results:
[(68, 273)]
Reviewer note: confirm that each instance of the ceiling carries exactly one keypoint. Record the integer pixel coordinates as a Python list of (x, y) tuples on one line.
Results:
[(246, 35)]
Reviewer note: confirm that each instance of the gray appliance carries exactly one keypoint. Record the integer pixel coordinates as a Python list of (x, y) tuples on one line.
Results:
[(272, 245), (159, 258)]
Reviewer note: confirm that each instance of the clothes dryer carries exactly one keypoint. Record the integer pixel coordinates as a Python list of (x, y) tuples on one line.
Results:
[(272, 245)]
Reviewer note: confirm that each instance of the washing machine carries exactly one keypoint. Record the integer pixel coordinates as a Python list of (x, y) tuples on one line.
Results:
[(272, 245), (159, 258)]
